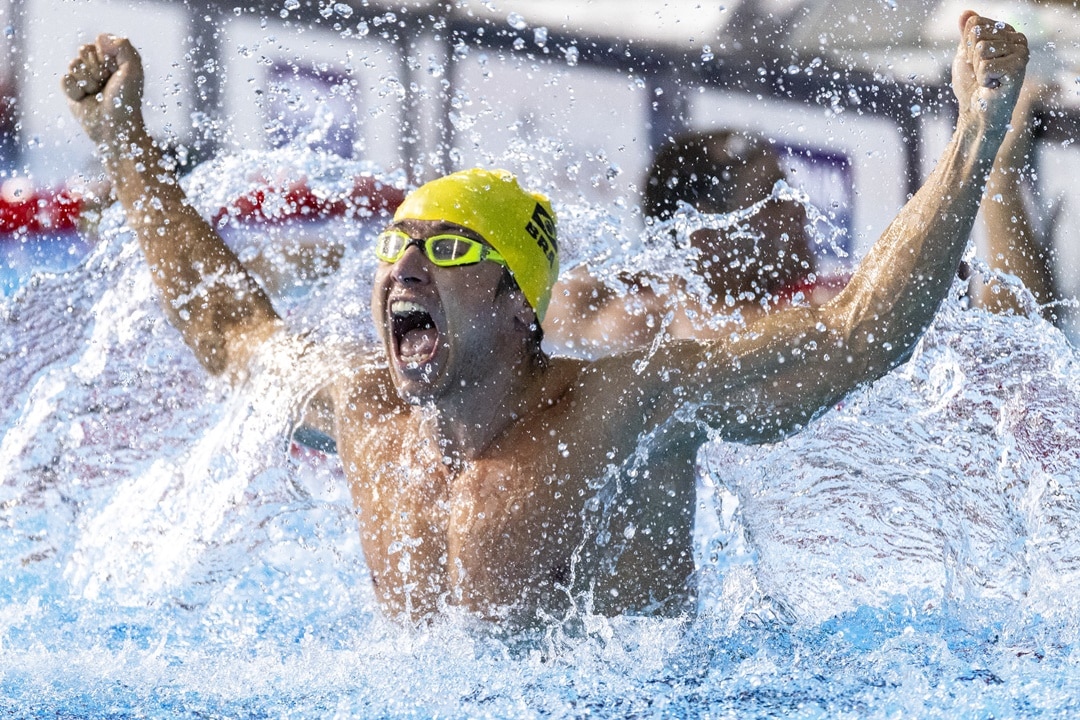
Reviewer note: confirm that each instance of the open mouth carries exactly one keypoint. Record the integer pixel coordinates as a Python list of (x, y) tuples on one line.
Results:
[(415, 334)]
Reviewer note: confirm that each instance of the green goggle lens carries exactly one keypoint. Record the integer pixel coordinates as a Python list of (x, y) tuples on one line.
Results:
[(445, 250)]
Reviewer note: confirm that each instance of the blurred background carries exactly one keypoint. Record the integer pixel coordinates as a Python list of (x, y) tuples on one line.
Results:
[(576, 96)]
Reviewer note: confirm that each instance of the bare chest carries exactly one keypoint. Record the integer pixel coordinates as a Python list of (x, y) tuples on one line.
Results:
[(484, 533), (414, 480)]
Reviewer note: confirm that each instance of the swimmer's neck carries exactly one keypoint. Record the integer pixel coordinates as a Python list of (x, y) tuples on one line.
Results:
[(465, 424)]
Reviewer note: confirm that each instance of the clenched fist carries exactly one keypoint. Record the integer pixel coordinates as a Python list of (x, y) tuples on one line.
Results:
[(988, 71), (104, 87)]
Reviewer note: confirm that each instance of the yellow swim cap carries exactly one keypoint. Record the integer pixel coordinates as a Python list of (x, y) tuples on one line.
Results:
[(519, 224)]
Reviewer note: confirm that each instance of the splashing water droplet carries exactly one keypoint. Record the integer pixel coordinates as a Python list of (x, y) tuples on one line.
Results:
[(572, 55), (516, 21)]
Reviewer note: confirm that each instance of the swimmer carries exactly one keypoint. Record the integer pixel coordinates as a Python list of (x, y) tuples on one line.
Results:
[(759, 266), (488, 476), (1013, 245)]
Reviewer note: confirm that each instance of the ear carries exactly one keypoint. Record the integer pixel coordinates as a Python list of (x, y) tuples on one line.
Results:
[(514, 305), (524, 315)]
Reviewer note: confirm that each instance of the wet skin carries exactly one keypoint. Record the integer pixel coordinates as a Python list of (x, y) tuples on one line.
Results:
[(747, 273), (508, 529)]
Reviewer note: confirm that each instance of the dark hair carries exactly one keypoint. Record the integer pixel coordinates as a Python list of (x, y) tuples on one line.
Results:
[(721, 172), (716, 172), (507, 284)]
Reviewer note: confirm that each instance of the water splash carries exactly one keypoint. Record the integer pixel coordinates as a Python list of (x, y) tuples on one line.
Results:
[(911, 553), (954, 477)]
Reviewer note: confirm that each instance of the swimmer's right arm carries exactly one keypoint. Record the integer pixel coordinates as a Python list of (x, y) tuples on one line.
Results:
[(208, 295)]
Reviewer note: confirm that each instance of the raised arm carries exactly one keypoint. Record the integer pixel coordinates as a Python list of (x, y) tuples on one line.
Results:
[(1011, 243), (221, 312), (781, 371), (898, 288)]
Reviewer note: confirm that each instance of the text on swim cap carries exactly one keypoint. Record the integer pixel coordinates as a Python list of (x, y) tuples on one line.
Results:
[(542, 229)]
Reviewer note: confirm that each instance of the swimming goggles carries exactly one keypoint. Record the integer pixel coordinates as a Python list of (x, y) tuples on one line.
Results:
[(446, 250)]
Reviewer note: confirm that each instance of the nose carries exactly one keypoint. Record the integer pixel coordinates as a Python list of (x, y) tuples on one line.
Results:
[(412, 268)]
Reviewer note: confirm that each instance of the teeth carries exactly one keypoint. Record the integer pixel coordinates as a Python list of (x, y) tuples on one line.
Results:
[(400, 307)]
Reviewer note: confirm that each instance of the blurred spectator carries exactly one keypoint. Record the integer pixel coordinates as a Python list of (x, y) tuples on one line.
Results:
[(763, 262), (1013, 246), (722, 172), (284, 231)]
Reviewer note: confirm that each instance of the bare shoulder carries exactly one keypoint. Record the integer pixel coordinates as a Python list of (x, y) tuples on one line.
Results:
[(589, 317), (625, 389), (738, 382)]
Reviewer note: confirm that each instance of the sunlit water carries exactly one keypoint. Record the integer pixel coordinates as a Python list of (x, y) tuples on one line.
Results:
[(913, 553)]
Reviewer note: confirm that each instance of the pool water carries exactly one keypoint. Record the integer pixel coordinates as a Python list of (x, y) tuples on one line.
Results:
[(166, 553)]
